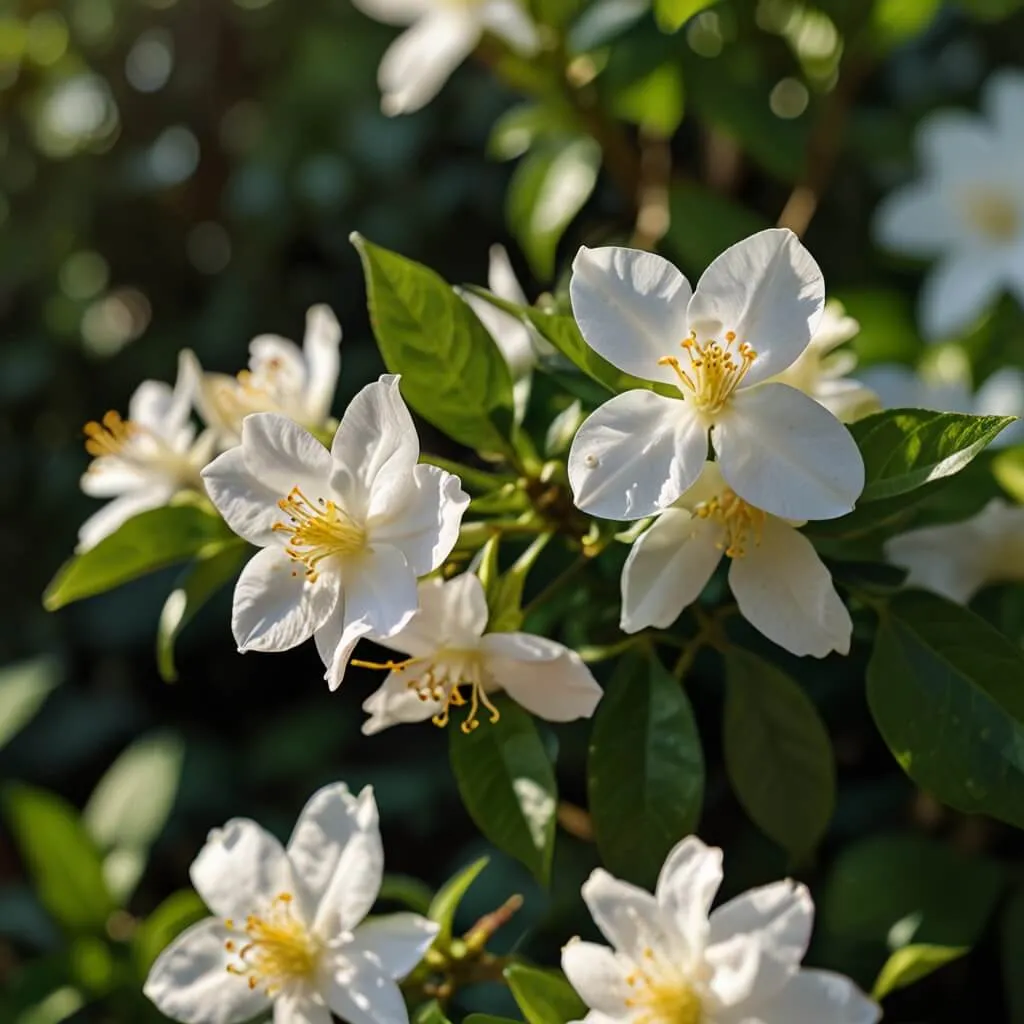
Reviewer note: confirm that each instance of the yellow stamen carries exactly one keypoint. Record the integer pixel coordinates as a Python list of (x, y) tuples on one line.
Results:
[(110, 436), (741, 521), (317, 530), (715, 370), (992, 215), (661, 994)]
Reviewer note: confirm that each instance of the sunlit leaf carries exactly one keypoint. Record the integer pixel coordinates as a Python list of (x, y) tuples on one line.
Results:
[(544, 996), (444, 905), (23, 688), (912, 963), (180, 910), (673, 14)]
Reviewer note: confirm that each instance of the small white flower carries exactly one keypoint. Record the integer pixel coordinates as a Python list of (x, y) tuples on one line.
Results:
[(753, 313), (822, 373), (673, 963), (142, 462), (345, 533), (450, 652), (957, 559), (779, 582), (298, 383), (289, 930), (967, 210), (442, 35)]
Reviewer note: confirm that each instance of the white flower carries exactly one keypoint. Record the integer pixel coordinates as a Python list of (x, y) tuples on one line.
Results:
[(754, 311), (142, 462), (298, 383), (967, 210), (672, 963), (442, 35), (822, 372), (345, 533), (779, 582), (450, 652), (289, 928), (957, 559)]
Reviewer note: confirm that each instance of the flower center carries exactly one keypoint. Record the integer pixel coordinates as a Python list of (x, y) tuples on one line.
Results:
[(442, 679), (277, 949), (317, 530), (992, 215), (661, 994), (110, 436), (741, 521), (715, 370)]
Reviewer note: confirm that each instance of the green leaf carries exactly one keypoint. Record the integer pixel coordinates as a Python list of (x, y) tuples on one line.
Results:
[(179, 911), (991, 10), (544, 996), (408, 891), (906, 448), (23, 688), (549, 187), (507, 784), (196, 585), (645, 769), (454, 375), (1008, 468), (487, 1018), (912, 963), (444, 905), (146, 542), (672, 15), (61, 858), (430, 1013), (777, 753), (944, 690), (1013, 953), (655, 101), (475, 481), (895, 21)]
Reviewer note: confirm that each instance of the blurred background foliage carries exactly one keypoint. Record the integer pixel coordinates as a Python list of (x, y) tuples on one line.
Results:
[(186, 173)]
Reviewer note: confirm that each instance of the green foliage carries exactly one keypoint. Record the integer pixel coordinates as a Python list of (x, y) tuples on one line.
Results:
[(23, 688), (545, 997), (673, 14), (177, 912), (1012, 951), (444, 905), (912, 963)]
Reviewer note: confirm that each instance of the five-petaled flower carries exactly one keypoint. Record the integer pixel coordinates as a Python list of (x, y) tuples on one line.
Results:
[(450, 653), (345, 533), (298, 383), (289, 929), (672, 963), (779, 582), (143, 461), (752, 314)]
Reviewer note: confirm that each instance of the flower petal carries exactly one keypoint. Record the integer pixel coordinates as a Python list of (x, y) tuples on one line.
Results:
[(687, 884), (301, 1007), (323, 360), (784, 453), (395, 702), (508, 20), (336, 851), (380, 591), (281, 455), (109, 476), (189, 982), (953, 145), (278, 363), (629, 918), (635, 455), (240, 869), (394, 12), (957, 290), (543, 676), (810, 998), (769, 291), (734, 968), (1003, 101), (360, 992), (248, 505), (598, 976), (631, 308), (418, 63), (918, 220), (785, 592), (336, 640), (112, 516), (396, 942), (275, 606), (667, 568)]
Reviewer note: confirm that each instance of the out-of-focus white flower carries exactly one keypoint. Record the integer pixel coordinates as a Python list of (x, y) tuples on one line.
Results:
[(753, 313), (967, 209), (298, 383), (822, 373), (289, 930), (345, 533), (957, 559), (671, 962), (442, 34), (450, 652), (779, 582), (143, 461)]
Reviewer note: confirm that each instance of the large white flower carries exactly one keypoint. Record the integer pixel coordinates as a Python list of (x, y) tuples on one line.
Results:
[(754, 311), (673, 963), (822, 373), (450, 653), (967, 209), (442, 35), (345, 533), (142, 462), (958, 559), (289, 929), (779, 582), (298, 383)]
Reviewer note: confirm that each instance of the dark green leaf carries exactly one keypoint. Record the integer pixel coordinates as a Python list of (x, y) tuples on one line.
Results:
[(673, 14), (544, 996), (445, 904), (991, 10), (645, 769), (944, 689), (454, 375), (912, 963), (179, 911), (1013, 953), (508, 785), (147, 542), (408, 891), (487, 1018), (475, 481), (777, 753)]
